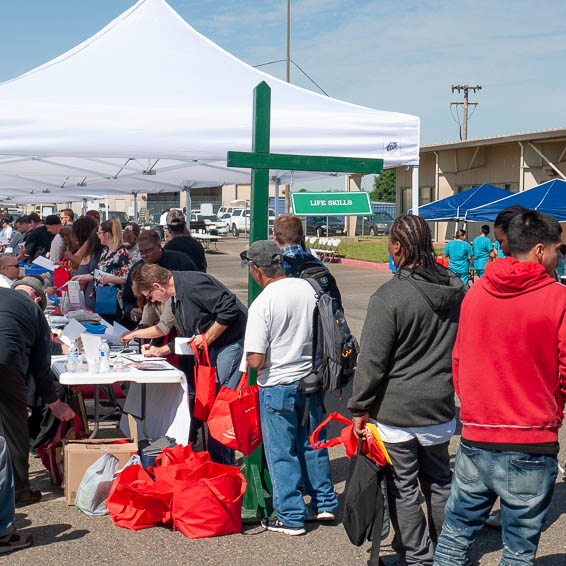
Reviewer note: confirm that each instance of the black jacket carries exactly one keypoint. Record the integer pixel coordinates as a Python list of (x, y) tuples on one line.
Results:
[(25, 341), (201, 300), (38, 243), (188, 245), (404, 373), (173, 261)]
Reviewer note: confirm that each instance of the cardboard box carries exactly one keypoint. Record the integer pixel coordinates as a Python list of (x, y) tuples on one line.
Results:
[(80, 454)]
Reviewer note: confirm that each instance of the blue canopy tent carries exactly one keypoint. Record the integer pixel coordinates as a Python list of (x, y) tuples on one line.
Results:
[(550, 198), (454, 208)]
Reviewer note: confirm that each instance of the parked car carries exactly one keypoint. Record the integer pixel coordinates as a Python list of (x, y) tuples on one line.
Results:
[(116, 214), (377, 224), (213, 224), (316, 225), (239, 221)]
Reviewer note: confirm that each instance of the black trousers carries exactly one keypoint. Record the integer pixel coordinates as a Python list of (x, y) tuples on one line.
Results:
[(13, 423)]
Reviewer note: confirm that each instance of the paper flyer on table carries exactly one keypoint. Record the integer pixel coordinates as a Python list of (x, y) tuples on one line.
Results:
[(71, 332), (113, 333), (44, 262)]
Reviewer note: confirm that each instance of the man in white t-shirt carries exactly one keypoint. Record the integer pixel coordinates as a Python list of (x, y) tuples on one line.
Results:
[(278, 344)]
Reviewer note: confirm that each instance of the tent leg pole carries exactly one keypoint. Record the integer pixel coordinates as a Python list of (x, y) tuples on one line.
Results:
[(84, 207), (106, 205), (188, 207), (415, 190), (135, 207), (276, 207)]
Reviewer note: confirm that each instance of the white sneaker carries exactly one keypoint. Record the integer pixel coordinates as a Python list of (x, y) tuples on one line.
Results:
[(325, 516), (277, 526)]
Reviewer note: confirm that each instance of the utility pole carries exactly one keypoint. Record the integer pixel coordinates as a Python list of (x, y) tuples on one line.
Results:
[(288, 78), (287, 188), (466, 104)]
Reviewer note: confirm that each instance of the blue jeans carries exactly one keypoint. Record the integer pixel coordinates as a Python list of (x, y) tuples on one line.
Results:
[(7, 493), (524, 482), (227, 361), (290, 458)]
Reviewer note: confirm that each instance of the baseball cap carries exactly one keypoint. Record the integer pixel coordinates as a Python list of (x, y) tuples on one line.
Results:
[(175, 218), (36, 285), (263, 253), (52, 220), (93, 213)]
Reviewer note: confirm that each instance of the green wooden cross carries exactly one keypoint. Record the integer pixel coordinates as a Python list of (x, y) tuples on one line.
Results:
[(256, 502)]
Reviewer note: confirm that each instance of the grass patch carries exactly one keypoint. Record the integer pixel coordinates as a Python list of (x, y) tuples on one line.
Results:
[(369, 249), (374, 249)]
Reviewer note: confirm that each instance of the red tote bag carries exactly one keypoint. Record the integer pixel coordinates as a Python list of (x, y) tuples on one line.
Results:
[(234, 419), (207, 502), (62, 275), (205, 382), (136, 502)]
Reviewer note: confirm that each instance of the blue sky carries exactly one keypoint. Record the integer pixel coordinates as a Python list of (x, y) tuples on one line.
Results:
[(401, 56)]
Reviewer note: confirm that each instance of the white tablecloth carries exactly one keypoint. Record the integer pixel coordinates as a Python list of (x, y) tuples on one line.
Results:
[(167, 398)]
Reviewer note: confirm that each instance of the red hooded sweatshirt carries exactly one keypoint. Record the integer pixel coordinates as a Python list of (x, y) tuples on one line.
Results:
[(509, 359)]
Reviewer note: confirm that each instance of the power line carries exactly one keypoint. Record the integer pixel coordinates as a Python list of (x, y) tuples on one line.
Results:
[(270, 63), (310, 79)]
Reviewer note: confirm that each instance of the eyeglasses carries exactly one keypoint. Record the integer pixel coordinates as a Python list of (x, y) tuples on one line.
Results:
[(11, 265)]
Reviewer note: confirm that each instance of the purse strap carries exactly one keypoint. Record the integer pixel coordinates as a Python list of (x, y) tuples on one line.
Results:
[(313, 438)]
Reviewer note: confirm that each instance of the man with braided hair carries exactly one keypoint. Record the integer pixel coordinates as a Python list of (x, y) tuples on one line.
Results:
[(404, 382)]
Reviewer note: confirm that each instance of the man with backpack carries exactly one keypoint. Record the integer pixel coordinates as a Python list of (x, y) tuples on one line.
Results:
[(404, 382), (279, 345), (297, 261)]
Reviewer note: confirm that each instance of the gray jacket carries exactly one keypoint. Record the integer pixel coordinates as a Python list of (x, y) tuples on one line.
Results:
[(404, 373)]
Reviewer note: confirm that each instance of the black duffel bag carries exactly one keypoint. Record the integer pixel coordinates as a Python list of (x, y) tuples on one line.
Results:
[(365, 504)]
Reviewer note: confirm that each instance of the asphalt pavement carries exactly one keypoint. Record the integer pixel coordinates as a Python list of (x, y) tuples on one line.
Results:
[(63, 535)]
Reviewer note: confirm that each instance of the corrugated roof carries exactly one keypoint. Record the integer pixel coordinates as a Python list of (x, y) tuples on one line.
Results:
[(507, 138)]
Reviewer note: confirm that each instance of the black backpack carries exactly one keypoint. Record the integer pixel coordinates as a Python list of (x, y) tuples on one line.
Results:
[(308, 266), (335, 350)]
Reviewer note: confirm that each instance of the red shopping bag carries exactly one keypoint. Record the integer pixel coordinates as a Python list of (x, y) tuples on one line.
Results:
[(205, 382), (347, 437), (62, 274), (207, 502), (174, 463), (51, 453), (234, 419), (136, 502)]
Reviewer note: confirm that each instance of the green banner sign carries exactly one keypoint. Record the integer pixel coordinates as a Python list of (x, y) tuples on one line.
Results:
[(331, 204)]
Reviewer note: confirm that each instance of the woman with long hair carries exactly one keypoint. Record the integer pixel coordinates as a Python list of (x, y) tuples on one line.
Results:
[(89, 249), (115, 261)]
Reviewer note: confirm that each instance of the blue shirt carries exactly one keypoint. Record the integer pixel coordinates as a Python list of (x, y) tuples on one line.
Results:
[(294, 251), (497, 248), (482, 247), (458, 252)]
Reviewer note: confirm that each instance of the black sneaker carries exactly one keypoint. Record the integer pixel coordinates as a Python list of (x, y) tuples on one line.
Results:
[(277, 526)]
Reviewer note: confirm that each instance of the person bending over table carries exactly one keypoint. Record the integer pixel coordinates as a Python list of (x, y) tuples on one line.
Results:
[(201, 305)]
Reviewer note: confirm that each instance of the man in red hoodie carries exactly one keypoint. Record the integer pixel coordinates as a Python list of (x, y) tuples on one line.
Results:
[(512, 389)]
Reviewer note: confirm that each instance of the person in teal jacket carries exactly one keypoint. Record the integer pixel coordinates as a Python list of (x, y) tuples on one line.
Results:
[(459, 253), (483, 248)]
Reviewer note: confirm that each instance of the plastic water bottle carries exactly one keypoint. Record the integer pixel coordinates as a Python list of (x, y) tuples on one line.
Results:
[(73, 358), (104, 357)]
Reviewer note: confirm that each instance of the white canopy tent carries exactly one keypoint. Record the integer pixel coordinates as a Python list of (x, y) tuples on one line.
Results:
[(148, 104)]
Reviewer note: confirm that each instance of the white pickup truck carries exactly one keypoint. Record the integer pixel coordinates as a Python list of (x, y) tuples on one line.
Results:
[(239, 221)]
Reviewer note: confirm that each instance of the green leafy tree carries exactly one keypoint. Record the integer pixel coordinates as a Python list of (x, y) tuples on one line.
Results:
[(384, 186)]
